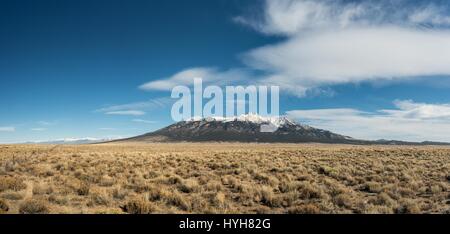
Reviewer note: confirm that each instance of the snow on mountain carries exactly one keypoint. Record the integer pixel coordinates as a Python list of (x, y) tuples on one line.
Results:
[(252, 118)]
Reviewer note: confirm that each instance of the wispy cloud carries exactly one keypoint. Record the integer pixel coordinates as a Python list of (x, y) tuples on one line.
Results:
[(46, 123), (409, 121), (107, 129), (38, 129), (7, 129), (144, 121), (126, 112), (292, 17), (430, 14), (136, 108)]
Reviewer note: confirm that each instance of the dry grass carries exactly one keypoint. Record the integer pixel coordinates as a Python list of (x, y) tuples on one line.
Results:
[(224, 178)]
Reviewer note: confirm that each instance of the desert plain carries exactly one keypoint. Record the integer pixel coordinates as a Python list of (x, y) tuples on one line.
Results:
[(139, 178)]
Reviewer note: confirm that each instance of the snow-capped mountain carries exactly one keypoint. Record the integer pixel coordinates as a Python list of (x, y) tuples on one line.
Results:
[(244, 128)]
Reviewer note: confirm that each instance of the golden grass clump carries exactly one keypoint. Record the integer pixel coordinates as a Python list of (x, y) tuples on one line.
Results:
[(138, 206), (11, 183), (304, 209), (33, 207)]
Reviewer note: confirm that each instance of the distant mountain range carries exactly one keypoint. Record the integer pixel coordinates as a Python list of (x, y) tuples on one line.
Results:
[(244, 128), (70, 141), (247, 128)]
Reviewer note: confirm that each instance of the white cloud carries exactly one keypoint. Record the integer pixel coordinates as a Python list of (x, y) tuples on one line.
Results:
[(143, 121), (354, 55), (186, 77), (420, 111), (38, 129), (409, 121), (334, 42), (7, 129), (126, 112)]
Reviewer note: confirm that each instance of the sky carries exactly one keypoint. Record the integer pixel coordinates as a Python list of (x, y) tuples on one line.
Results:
[(104, 68)]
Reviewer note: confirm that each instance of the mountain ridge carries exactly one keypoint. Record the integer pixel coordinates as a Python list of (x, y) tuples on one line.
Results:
[(247, 128)]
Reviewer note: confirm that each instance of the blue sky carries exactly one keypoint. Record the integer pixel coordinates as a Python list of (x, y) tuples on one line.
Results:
[(72, 69)]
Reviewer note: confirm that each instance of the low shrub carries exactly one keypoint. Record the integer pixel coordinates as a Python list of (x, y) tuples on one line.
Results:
[(33, 207), (11, 183), (138, 206)]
